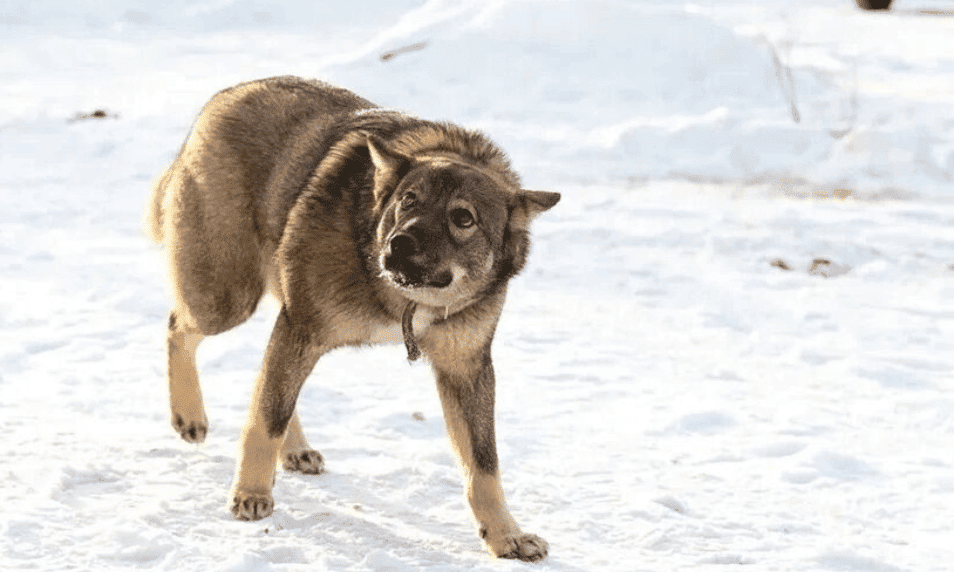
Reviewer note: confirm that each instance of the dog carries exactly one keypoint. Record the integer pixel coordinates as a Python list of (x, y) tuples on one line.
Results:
[(368, 226)]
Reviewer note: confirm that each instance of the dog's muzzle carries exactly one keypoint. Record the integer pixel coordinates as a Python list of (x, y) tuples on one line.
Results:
[(409, 266)]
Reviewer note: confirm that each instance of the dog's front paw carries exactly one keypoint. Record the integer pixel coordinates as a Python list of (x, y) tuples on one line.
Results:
[(526, 547), (251, 506), (191, 430), (307, 462)]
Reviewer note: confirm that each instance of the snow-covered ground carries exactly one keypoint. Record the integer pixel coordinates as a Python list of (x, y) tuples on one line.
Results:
[(733, 347)]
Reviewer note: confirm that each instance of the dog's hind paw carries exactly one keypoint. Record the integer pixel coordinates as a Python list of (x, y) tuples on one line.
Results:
[(526, 547), (249, 506), (307, 462), (193, 431)]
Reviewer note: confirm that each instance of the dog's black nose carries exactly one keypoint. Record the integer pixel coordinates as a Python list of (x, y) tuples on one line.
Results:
[(403, 246)]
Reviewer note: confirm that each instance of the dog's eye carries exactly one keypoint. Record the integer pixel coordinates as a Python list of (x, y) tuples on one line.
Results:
[(461, 218), (407, 200)]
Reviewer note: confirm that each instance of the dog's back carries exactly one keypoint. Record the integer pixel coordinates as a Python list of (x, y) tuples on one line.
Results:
[(239, 131)]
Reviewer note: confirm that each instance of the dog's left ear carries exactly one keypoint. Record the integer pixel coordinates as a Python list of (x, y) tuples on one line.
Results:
[(540, 200), (536, 202), (516, 240)]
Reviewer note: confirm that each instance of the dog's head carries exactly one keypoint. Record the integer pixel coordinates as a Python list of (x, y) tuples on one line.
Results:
[(448, 229)]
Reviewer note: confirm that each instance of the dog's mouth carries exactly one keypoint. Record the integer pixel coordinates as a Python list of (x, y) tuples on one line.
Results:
[(429, 278), (413, 276)]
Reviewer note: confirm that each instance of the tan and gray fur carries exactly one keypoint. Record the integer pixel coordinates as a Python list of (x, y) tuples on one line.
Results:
[(368, 226)]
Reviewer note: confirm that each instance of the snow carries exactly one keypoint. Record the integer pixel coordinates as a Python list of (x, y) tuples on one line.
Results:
[(733, 346)]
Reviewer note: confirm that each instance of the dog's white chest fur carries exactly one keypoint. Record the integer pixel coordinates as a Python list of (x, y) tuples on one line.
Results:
[(392, 332)]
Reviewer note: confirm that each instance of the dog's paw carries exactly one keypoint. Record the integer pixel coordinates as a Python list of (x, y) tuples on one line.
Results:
[(307, 462), (251, 506), (526, 547), (191, 430)]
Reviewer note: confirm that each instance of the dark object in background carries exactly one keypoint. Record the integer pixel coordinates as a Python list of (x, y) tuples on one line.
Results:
[(874, 4), (97, 114)]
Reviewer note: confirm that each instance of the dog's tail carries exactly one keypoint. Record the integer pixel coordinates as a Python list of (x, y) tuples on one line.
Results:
[(152, 221)]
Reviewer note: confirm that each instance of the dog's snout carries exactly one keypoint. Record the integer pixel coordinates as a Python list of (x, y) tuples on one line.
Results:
[(413, 258), (404, 245)]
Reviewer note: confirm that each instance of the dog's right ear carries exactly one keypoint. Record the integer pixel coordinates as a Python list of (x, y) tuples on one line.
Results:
[(390, 165), (382, 156)]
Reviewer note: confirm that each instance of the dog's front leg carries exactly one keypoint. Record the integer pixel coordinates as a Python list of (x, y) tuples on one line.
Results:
[(288, 361), (466, 388)]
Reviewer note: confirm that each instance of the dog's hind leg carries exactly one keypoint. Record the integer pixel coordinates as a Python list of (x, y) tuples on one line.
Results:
[(187, 407), (214, 267), (297, 456)]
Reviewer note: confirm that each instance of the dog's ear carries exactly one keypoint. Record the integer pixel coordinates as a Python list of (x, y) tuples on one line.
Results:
[(531, 204), (516, 237), (385, 159), (390, 165), (539, 201)]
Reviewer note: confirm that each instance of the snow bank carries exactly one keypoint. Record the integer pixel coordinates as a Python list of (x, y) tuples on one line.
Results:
[(610, 92)]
